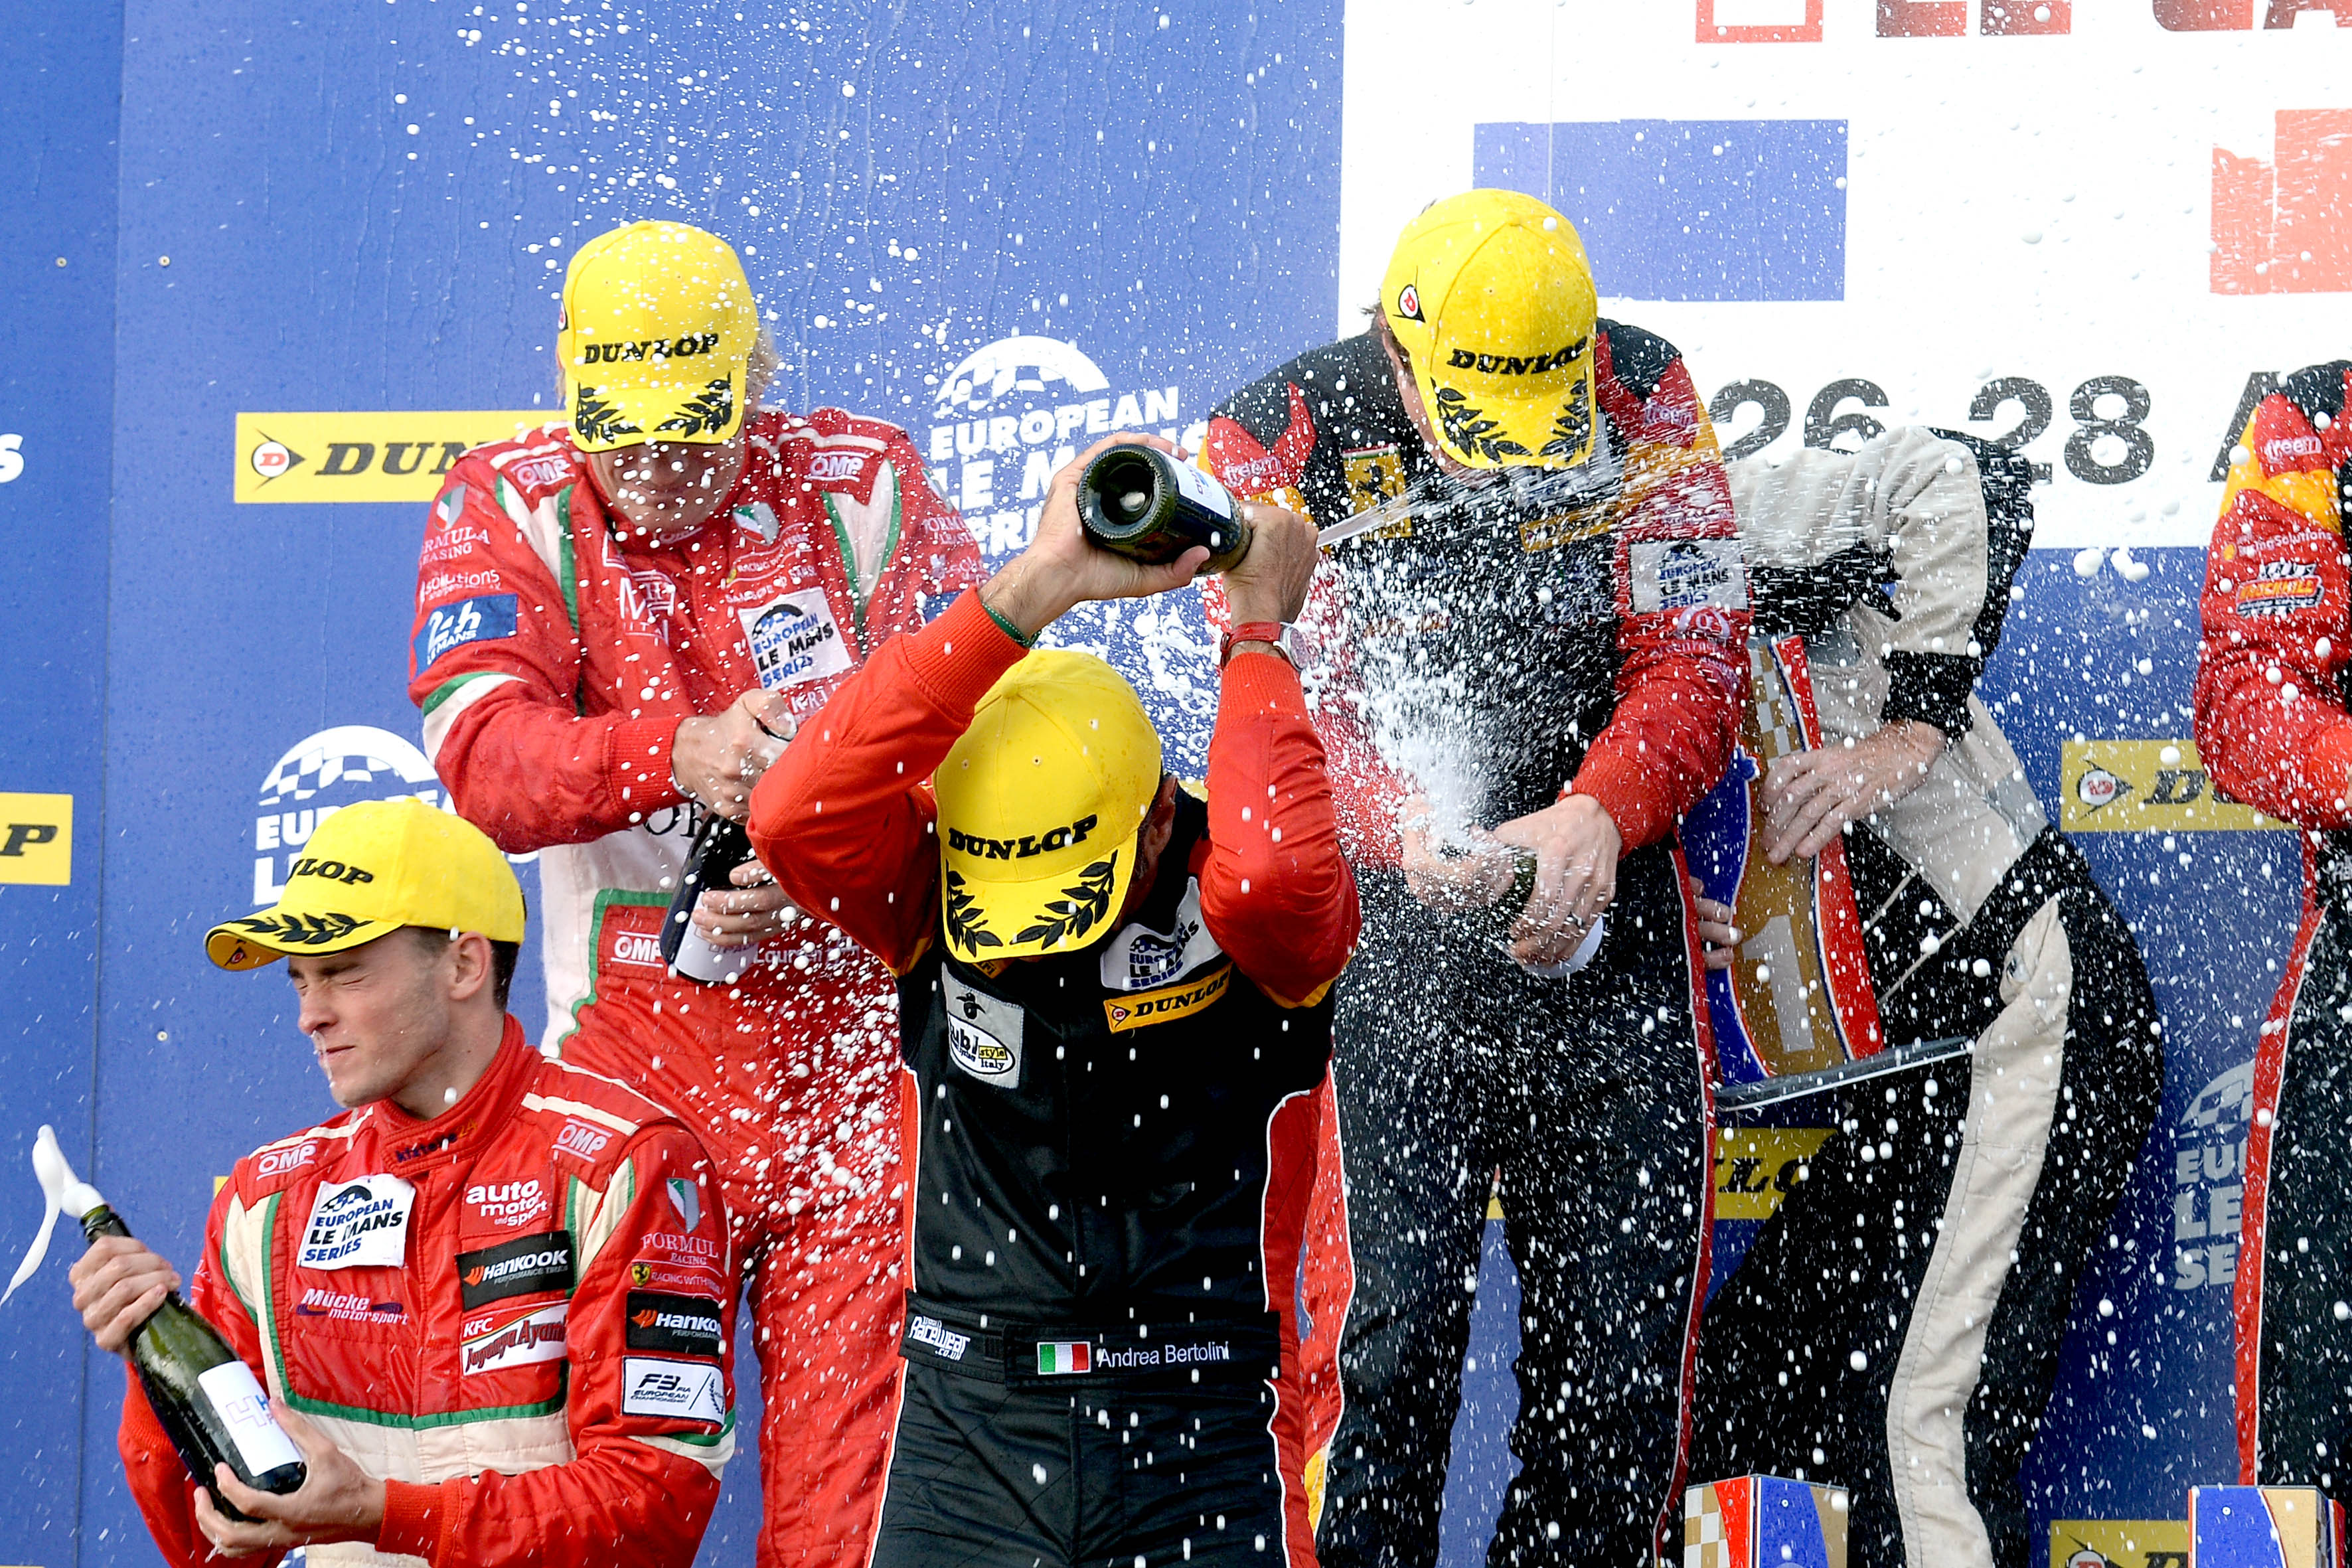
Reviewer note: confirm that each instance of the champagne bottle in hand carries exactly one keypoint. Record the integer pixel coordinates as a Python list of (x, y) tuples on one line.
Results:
[(207, 1399)]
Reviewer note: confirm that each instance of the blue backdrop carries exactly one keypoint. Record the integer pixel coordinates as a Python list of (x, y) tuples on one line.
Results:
[(241, 208)]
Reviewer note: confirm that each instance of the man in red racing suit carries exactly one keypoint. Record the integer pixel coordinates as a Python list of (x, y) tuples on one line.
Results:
[(496, 1316), (573, 664), (2272, 732)]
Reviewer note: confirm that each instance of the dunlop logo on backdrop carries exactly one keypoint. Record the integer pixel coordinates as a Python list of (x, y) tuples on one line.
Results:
[(1755, 1168), (395, 457), (36, 839), (2134, 786)]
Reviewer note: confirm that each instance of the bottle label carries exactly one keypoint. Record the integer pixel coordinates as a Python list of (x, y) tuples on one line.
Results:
[(1202, 490), (260, 1442), (699, 958)]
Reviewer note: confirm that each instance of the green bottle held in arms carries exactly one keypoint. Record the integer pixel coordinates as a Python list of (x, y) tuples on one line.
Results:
[(1147, 506), (207, 1399)]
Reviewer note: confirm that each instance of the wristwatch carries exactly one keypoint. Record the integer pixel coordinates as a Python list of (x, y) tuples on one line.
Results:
[(1276, 632)]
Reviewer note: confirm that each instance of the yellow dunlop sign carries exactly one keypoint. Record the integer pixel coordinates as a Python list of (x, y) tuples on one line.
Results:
[(2133, 787), (1168, 1004), (400, 457), (1755, 1167), (36, 839), (2118, 1543)]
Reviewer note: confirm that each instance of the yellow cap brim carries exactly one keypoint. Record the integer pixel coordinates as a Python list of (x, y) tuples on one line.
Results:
[(272, 935), (1548, 426), (987, 921), (607, 417)]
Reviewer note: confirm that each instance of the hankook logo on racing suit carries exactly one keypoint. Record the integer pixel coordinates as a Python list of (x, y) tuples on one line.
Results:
[(526, 1266)]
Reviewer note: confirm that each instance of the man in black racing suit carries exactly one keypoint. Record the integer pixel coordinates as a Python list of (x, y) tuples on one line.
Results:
[(1523, 675)]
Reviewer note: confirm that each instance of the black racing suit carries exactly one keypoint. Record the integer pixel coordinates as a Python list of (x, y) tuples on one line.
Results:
[(1490, 652), (1112, 1149), (1114, 1196)]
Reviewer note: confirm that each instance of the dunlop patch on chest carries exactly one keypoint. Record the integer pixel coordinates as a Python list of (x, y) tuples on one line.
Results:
[(1168, 1004)]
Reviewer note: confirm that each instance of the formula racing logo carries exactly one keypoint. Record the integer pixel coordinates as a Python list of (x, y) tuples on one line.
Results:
[(318, 776), (1010, 414)]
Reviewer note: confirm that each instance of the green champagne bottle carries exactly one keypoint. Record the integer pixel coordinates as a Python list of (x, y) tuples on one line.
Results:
[(1144, 504), (207, 1399)]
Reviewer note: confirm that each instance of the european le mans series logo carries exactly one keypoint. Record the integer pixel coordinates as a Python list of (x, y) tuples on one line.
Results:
[(383, 457)]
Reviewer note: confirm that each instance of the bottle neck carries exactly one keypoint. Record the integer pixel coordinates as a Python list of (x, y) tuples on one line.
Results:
[(104, 1221)]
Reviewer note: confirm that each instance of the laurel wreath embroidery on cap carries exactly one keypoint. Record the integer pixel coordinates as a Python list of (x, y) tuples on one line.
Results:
[(596, 420), (963, 917), (308, 930), (1076, 911), (1466, 426), (1573, 428), (710, 410)]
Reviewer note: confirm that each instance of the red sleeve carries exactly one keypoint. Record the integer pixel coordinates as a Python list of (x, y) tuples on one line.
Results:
[(1275, 888), (166, 1492), (1683, 617), (2271, 725), (494, 665), (639, 1489), (844, 819)]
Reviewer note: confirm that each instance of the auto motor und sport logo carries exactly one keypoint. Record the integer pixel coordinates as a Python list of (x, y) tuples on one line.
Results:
[(1010, 414)]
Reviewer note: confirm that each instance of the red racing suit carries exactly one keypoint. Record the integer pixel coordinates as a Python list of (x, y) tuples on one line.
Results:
[(519, 1315), (553, 660), (2272, 732)]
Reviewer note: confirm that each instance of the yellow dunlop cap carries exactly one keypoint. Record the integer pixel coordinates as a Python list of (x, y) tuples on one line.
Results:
[(1491, 297), (372, 867), (1041, 802), (656, 331)]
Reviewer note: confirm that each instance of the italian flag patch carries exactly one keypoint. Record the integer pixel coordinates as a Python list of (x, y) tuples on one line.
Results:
[(1063, 1356)]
